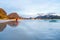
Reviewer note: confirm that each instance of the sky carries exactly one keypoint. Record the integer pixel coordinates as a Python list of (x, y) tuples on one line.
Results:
[(31, 7)]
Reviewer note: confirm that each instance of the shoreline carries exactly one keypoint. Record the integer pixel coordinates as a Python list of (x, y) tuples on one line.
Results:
[(7, 20), (30, 19)]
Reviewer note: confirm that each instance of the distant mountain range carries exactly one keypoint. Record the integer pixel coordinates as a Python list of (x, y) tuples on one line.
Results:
[(48, 17), (14, 15)]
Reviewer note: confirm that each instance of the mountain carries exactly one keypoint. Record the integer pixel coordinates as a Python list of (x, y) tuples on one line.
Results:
[(3, 14), (48, 17), (14, 16)]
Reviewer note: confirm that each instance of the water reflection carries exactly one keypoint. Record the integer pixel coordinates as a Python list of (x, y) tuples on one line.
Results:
[(10, 23), (13, 23), (2, 26), (30, 30), (53, 20), (16, 23)]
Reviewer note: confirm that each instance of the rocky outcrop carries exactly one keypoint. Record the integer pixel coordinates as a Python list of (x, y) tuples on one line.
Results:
[(14, 16), (3, 14)]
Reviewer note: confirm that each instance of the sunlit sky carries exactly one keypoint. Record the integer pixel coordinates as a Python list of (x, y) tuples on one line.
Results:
[(30, 7)]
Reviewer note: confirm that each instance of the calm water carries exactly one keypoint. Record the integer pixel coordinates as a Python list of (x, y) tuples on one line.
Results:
[(30, 30)]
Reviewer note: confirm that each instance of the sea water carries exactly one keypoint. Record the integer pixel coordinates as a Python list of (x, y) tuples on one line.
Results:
[(30, 30)]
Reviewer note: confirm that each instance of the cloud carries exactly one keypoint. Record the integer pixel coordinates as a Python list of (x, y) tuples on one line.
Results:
[(30, 7)]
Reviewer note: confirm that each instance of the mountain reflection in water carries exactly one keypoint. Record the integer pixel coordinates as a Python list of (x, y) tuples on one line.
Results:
[(30, 30), (15, 24), (10, 23), (53, 20)]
